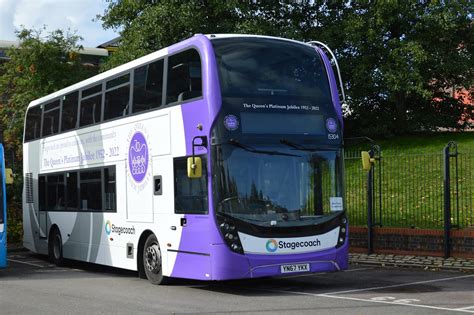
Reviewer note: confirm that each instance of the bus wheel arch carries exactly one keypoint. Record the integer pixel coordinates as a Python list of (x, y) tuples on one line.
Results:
[(55, 246), (141, 245)]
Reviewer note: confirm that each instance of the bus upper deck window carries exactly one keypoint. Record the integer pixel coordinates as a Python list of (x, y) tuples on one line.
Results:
[(148, 86), (33, 123), (184, 76), (50, 118), (117, 97), (69, 113), (91, 103)]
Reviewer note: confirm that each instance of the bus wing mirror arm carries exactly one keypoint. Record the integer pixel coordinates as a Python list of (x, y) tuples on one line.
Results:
[(195, 163)]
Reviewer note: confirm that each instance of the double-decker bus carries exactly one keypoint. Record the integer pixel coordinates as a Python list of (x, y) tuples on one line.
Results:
[(219, 157)]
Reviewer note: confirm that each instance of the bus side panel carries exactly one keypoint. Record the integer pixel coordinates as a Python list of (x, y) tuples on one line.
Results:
[(147, 138), (193, 259)]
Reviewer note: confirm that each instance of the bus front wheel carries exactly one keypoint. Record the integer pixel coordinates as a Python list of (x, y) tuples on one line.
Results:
[(55, 245), (152, 261)]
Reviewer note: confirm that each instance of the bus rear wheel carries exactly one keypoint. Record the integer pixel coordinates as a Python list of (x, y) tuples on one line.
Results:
[(152, 261), (55, 246)]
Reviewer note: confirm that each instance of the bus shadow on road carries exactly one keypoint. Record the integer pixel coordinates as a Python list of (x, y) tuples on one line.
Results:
[(29, 264)]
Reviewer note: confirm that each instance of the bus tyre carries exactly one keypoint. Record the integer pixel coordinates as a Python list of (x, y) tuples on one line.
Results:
[(152, 262), (55, 245)]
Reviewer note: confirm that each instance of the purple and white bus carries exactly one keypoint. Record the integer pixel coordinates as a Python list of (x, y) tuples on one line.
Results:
[(219, 157)]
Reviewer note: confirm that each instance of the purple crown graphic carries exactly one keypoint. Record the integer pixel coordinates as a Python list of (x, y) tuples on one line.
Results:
[(138, 157)]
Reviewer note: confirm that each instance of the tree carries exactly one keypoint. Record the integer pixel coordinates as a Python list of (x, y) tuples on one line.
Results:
[(399, 59), (147, 26), (37, 67)]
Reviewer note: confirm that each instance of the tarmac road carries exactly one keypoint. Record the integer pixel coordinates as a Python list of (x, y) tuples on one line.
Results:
[(31, 285)]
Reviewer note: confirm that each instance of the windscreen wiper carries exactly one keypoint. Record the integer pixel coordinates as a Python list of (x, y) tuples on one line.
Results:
[(295, 145), (248, 148)]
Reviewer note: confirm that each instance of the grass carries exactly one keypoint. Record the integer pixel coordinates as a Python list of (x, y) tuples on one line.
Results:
[(410, 193)]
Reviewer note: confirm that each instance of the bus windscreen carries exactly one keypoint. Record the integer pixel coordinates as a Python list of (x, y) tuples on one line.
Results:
[(282, 123)]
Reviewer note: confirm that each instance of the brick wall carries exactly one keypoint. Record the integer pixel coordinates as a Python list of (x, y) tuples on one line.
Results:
[(412, 241)]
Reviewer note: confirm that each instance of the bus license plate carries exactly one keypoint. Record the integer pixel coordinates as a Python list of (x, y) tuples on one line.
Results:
[(295, 268)]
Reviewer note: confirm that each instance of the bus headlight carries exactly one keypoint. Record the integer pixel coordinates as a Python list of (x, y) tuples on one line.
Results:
[(230, 235), (342, 232)]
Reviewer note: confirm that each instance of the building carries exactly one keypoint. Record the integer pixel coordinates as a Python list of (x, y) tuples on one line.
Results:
[(89, 56)]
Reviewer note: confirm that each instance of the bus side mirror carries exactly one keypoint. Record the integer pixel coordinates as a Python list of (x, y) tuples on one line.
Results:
[(367, 161), (194, 167), (8, 176)]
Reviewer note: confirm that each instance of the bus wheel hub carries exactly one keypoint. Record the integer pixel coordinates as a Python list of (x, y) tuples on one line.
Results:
[(153, 258)]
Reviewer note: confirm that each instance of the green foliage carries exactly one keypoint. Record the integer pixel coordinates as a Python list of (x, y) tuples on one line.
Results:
[(39, 66), (411, 189), (15, 224), (399, 59), (148, 26)]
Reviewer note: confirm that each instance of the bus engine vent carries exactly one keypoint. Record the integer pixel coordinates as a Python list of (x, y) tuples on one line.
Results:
[(29, 187)]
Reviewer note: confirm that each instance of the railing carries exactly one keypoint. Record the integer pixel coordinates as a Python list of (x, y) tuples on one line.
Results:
[(408, 189)]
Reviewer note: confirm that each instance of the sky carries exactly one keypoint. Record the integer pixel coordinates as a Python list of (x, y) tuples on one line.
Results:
[(77, 15)]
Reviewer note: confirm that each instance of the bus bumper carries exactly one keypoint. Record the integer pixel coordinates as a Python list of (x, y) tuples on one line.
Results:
[(227, 265)]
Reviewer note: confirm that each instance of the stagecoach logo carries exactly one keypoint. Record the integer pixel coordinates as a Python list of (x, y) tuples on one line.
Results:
[(331, 125), (231, 122), (108, 227), (271, 246), (112, 228)]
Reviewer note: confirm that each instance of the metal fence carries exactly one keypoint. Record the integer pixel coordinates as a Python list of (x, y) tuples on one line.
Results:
[(408, 188)]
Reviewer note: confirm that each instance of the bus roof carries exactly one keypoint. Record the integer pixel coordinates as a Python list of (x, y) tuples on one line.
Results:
[(101, 76), (219, 36), (143, 60)]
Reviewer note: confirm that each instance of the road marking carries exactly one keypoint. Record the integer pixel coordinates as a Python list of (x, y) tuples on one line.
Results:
[(469, 309), (395, 303), (26, 263), (404, 302), (400, 285)]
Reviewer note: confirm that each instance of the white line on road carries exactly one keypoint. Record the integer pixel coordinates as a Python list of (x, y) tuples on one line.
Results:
[(400, 285), (366, 300), (332, 296), (467, 309), (394, 303), (26, 263)]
